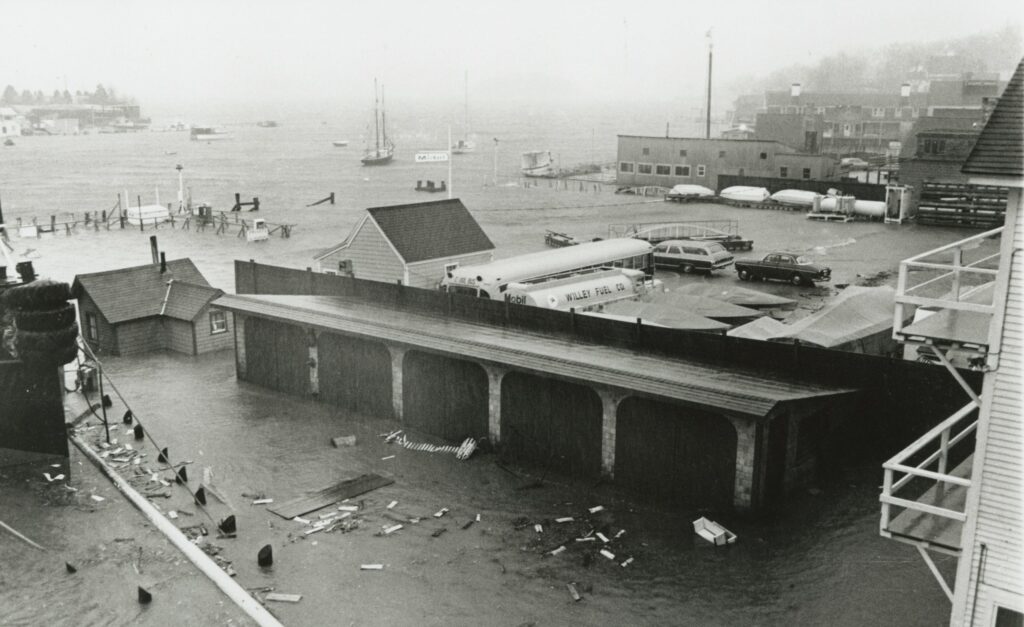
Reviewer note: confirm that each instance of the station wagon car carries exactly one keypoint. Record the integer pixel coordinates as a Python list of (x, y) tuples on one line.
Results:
[(691, 256), (796, 269)]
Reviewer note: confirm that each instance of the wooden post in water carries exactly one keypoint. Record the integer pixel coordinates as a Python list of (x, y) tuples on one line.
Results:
[(53, 224)]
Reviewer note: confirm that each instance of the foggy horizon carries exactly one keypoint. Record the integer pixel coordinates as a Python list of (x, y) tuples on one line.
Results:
[(189, 56)]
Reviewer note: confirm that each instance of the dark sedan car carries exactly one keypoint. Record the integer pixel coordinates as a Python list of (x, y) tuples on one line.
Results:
[(796, 269)]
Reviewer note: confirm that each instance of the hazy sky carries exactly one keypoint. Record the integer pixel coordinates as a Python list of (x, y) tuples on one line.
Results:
[(221, 51)]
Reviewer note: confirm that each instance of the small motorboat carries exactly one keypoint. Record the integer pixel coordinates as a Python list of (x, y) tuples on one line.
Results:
[(713, 532), (340, 143), (559, 240)]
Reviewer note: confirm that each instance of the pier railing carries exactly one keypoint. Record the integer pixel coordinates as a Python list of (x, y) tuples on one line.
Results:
[(221, 222), (925, 487), (957, 277)]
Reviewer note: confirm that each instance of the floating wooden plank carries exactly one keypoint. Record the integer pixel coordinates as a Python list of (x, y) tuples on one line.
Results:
[(281, 596), (330, 495)]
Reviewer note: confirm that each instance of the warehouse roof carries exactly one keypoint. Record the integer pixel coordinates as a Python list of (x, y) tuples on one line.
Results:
[(729, 390)]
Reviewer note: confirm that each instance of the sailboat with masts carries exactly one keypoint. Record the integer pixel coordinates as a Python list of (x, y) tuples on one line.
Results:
[(383, 149), (464, 146)]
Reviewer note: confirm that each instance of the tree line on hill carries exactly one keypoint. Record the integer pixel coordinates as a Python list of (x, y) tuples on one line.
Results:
[(886, 68), (101, 96)]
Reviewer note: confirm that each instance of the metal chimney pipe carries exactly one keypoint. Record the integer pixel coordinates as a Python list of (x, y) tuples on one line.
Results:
[(163, 263)]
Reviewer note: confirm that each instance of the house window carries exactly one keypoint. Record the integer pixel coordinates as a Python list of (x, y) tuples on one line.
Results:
[(878, 112), (721, 154), (625, 166), (701, 170), (646, 151), (1007, 617), (898, 112), (663, 170), (783, 172), (934, 146), (914, 113), (682, 170), (820, 110), (644, 168), (92, 326), (218, 322), (764, 155), (682, 153), (807, 173)]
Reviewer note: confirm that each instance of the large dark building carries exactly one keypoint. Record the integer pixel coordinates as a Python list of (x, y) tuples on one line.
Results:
[(667, 161)]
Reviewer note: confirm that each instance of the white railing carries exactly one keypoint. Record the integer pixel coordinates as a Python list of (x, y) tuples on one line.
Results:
[(944, 278), (898, 472)]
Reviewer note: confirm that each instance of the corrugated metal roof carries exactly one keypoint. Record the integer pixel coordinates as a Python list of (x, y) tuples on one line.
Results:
[(999, 150), (431, 230), (138, 292), (730, 390), (185, 300)]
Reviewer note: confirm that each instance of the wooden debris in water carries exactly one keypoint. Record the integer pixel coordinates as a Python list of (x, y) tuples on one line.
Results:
[(371, 567), (572, 592), (19, 536), (330, 495), (283, 597), (596, 509), (557, 551)]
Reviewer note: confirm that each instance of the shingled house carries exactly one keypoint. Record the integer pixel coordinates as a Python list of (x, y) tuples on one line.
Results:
[(415, 244), (163, 306)]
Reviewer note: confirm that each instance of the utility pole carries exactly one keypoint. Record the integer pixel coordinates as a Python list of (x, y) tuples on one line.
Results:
[(707, 129)]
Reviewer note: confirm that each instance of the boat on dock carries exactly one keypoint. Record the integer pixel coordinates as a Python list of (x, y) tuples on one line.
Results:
[(383, 149), (538, 163), (742, 193), (147, 214), (559, 240), (339, 143)]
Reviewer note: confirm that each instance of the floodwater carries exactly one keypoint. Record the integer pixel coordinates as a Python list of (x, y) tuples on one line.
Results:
[(816, 560)]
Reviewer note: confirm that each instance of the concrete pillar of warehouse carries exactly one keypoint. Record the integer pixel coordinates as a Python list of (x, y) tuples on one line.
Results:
[(609, 412), (494, 376), (314, 365), (240, 364), (746, 458), (397, 359)]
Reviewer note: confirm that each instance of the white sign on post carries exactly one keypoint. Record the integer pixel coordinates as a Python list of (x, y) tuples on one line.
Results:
[(434, 156)]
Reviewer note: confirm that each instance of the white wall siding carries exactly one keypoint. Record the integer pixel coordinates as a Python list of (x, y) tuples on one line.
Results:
[(996, 574), (372, 256)]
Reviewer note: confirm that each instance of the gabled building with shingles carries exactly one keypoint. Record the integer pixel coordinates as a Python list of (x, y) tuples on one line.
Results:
[(164, 306), (415, 244)]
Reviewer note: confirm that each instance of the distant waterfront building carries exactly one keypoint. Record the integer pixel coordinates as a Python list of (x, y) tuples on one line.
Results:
[(936, 149), (668, 161), (848, 123), (414, 244), (967, 501), (10, 122)]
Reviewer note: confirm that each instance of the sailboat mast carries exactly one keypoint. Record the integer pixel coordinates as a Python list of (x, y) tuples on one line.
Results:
[(707, 128), (466, 128), (383, 117), (376, 116)]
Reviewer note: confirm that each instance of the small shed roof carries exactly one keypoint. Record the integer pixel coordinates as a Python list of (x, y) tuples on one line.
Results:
[(999, 150), (185, 301), (138, 292), (426, 230)]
